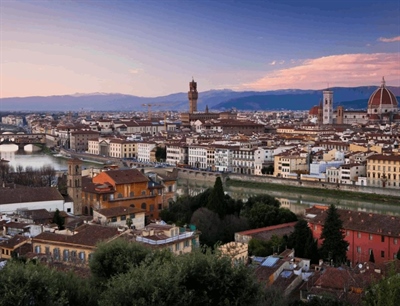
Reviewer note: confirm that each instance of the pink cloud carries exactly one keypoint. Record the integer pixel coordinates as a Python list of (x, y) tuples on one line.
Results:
[(389, 40), (337, 70)]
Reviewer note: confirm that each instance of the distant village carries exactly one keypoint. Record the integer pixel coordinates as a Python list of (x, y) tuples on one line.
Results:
[(143, 154)]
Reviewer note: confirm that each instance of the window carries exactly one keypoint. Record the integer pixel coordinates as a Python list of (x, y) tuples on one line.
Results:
[(47, 250), (382, 238), (143, 192), (159, 206), (359, 250), (358, 234), (56, 252), (371, 237), (177, 247), (123, 218), (347, 233), (82, 256), (143, 206), (37, 249), (395, 240), (186, 243), (66, 255), (132, 216), (68, 210), (113, 219), (382, 254)]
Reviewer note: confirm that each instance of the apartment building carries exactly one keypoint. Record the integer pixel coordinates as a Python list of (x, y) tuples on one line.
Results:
[(79, 140), (243, 160), (198, 156), (122, 148), (177, 153), (365, 233), (144, 151), (383, 171), (287, 162), (178, 240), (223, 157)]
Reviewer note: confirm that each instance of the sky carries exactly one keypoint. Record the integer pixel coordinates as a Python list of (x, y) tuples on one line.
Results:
[(154, 47)]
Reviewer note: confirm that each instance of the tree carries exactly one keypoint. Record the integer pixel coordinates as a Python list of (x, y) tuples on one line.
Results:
[(31, 284), (385, 292), (197, 278), (161, 154), (303, 242), (262, 215), (216, 199), (334, 247), (209, 224), (57, 219), (116, 257), (128, 222), (371, 256)]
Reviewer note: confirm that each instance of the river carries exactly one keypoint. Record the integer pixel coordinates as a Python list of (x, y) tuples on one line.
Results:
[(296, 202), (35, 159)]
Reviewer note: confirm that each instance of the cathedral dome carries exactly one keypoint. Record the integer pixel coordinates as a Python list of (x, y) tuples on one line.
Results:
[(382, 104), (382, 97)]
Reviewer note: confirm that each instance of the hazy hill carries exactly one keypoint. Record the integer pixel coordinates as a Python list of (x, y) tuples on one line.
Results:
[(290, 99)]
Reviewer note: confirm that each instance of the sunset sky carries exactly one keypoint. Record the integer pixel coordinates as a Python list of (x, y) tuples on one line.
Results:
[(152, 48)]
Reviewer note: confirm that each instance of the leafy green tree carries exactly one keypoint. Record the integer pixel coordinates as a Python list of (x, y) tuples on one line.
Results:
[(31, 284), (258, 247), (57, 219), (262, 215), (209, 225), (216, 200), (116, 257), (191, 279), (385, 292), (128, 222), (334, 247), (161, 154)]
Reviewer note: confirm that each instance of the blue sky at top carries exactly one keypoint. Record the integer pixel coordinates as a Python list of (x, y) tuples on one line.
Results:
[(152, 48)]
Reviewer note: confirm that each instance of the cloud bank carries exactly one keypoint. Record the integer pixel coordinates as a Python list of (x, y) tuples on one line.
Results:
[(389, 40), (335, 70)]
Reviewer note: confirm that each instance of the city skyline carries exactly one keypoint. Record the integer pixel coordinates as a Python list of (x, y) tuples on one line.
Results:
[(153, 48)]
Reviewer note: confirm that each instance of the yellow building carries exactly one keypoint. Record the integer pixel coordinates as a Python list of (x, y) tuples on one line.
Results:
[(286, 163), (178, 240), (383, 171), (7, 247), (74, 247)]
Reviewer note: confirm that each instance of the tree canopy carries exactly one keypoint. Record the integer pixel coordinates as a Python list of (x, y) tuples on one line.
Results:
[(302, 241), (333, 247)]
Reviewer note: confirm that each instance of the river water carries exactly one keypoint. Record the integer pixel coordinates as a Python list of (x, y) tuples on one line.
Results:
[(296, 202), (34, 159)]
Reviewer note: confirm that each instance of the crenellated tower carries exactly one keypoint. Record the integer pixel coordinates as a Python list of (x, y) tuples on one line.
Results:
[(193, 96)]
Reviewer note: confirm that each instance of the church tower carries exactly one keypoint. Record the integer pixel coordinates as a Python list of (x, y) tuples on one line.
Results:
[(327, 106), (74, 183), (193, 95)]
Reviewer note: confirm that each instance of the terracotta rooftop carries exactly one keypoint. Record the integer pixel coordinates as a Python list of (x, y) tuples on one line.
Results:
[(360, 221), (119, 211), (87, 235), (29, 194)]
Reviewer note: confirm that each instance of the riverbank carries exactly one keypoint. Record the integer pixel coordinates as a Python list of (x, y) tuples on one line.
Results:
[(334, 194)]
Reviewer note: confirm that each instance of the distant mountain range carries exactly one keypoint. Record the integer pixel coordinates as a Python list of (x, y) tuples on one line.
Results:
[(290, 99)]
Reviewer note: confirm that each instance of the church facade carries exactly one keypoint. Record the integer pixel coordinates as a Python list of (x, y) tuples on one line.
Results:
[(382, 107)]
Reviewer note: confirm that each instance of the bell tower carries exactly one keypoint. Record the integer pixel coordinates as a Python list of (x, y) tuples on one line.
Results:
[(193, 95), (327, 107), (74, 183)]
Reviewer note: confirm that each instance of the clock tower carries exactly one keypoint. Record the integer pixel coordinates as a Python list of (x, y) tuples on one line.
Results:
[(193, 95)]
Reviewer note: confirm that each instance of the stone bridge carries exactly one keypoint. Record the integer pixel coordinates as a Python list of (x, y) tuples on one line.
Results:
[(22, 139)]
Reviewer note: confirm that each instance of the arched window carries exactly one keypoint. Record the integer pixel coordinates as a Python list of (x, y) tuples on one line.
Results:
[(143, 206)]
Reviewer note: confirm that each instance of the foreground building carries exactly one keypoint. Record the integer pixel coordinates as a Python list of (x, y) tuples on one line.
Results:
[(365, 233)]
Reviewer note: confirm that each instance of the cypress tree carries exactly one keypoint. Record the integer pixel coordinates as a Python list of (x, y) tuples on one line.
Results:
[(334, 247), (371, 256), (57, 219), (216, 199)]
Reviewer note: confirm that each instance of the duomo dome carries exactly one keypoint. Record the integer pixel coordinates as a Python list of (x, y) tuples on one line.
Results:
[(382, 103)]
